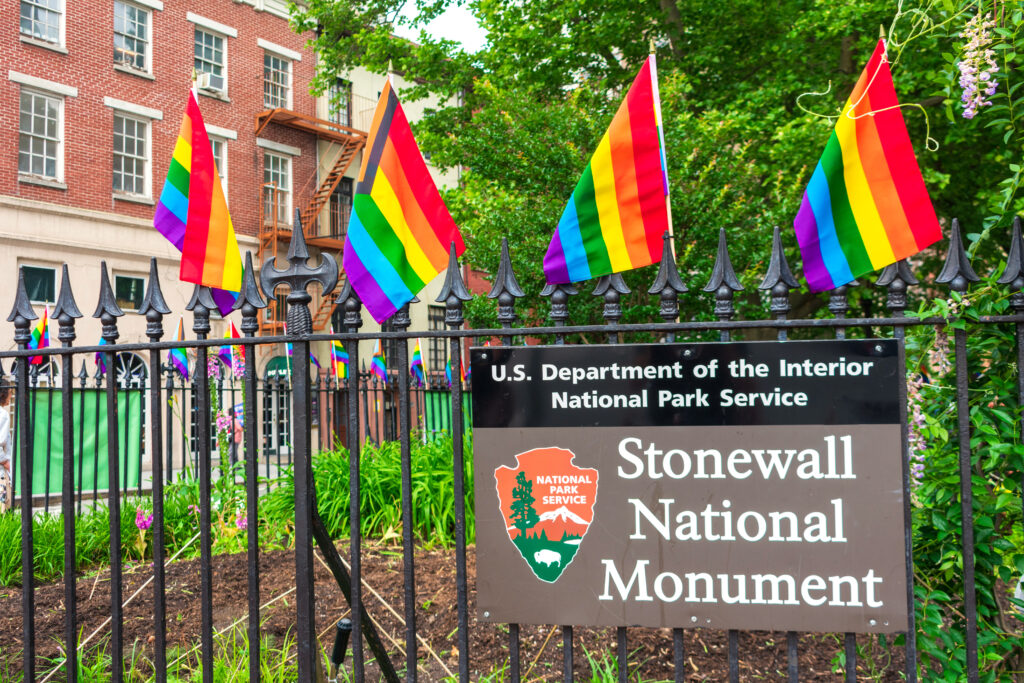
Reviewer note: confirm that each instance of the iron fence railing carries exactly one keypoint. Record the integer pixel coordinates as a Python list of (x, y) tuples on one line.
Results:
[(353, 416)]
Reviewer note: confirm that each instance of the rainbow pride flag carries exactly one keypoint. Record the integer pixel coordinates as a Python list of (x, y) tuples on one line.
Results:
[(235, 354), (448, 371), (866, 205), (400, 231), (193, 214), (416, 364), (178, 357), (339, 358), (618, 212), (40, 336), (378, 366), (99, 358)]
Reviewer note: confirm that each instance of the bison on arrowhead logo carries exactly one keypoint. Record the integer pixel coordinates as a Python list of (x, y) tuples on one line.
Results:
[(547, 504)]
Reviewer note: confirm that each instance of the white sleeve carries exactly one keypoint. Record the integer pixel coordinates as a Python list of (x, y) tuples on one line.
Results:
[(5, 435)]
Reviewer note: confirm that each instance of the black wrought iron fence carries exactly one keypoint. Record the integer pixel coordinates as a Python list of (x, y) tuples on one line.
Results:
[(346, 411)]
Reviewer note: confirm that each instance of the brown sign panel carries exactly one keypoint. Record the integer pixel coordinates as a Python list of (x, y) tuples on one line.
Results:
[(692, 515)]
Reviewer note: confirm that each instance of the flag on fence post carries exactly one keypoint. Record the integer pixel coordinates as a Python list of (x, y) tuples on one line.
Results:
[(448, 371), (40, 336), (399, 231), (866, 204), (193, 214), (235, 354), (177, 357), (619, 211), (378, 365), (339, 358), (416, 365)]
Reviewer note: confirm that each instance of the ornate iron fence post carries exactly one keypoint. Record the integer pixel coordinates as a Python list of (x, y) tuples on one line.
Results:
[(453, 294), (250, 300), (1013, 275), (65, 311), (611, 287), (22, 316), (724, 284), (108, 312), (298, 276), (559, 306), (506, 290), (201, 304), (958, 274), (668, 285), (896, 278)]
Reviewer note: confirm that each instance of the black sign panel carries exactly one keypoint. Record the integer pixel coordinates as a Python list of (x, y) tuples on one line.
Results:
[(703, 384)]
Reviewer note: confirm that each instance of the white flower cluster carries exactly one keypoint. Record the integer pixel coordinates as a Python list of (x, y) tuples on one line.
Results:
[(978, 68)]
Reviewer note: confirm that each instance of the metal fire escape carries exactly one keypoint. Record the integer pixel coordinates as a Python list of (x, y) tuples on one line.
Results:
[(275, 229)]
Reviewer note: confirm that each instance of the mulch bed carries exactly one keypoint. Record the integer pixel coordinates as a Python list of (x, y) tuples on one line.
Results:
[(762, 655)]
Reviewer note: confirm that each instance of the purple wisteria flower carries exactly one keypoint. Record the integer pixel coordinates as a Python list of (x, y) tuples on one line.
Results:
[(242, 522), (212, 366), (978, 68), (916, 424), (142, 520)]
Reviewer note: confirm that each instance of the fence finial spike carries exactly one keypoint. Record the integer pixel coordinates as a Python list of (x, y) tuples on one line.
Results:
[(82, 374), (668, 273), (957, 270), (297, 248), (1015, 258), (778, 266), (723, 273), (350, 303), (153, 302), (22, 306), (107, 309), (453, 286), (612, 282), (250, 298), (65, 306), (899, 270), (505, 279)]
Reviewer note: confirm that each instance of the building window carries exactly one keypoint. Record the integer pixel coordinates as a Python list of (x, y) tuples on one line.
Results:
[(40, 284), (128, 291), (339, 103), (341, 208), (39, 143), (41, 19), (276, 81), (131, 155), (220, 158), (210, 58), (438, 350), (277, 187), (131, 36)]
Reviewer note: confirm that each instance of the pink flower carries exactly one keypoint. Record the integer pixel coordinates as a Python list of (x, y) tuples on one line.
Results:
[(142, 520), (242, 522), (223, 421), (978, 66)]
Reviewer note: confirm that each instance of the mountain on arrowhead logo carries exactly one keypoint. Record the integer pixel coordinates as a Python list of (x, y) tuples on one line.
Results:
[(547, 504)]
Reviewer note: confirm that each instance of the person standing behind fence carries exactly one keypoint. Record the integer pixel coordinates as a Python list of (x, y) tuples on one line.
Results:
[(6, 482)]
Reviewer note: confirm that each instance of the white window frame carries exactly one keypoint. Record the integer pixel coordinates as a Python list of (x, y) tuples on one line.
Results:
[(61, 25), (147, 170), (289, 73), (210, 89), (59, 161), (283, 213), (142, 7), (220, 161)]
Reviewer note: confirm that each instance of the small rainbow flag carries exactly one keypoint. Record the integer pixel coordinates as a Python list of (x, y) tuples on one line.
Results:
[(619, 211), (235, 354), (339, 358), (193, 214), (416, 365), (400, 231), (40, 337), (377, 364), (178, 357), (448, 371), (866, 205)]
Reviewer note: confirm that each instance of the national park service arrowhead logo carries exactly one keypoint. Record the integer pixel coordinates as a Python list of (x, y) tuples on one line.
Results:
[(547, 504)]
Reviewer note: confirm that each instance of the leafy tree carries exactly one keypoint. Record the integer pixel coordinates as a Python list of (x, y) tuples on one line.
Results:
[(523, 516)]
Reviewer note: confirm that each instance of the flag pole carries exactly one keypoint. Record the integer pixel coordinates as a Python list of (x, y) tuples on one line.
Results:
[(661, 141)]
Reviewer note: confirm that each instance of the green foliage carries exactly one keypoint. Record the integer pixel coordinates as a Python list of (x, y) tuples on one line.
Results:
[(997, 460), (380, 482)]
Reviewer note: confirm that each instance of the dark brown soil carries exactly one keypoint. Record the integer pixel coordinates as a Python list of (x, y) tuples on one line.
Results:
[(762, 655)]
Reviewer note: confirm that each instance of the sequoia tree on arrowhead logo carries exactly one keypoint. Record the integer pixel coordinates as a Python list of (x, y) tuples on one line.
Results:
[(550, 503)]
